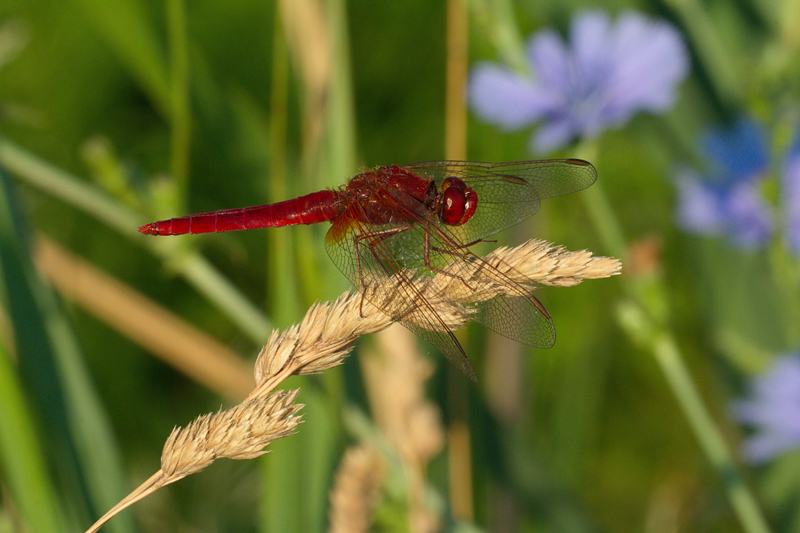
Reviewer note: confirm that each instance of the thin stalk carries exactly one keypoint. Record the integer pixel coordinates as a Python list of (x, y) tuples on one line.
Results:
[(455, 141), (180, 133), (497, 17), (661, 342), (22, 457), (671, 362), (201, 274), (712, 51), (283, 299), (600, 210), (341, 122)]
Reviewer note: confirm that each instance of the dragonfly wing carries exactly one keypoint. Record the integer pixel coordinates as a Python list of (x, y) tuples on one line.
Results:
[(445, 344), (509, 193), (514, 312), (382, 262), (519, 318), (401, 256)]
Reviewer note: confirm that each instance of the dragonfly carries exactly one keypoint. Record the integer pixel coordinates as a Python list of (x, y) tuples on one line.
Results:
[(403, 222)]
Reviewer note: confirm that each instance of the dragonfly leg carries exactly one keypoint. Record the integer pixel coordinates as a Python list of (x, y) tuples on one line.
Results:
[(460, 246), (427, 257), (373, 239)]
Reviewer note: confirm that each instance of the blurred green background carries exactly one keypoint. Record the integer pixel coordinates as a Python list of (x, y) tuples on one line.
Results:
[(114, 113)]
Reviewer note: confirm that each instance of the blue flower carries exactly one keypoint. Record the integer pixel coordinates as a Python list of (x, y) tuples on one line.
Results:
[(729, 202), (598, 81), (774, 410), (791, 197)]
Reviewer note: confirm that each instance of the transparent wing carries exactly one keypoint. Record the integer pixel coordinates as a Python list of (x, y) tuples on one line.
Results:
[(369, 255), (508, 193), (416, 250)]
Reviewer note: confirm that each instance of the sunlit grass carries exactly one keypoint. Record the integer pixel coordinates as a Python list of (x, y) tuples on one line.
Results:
[(199, 107)]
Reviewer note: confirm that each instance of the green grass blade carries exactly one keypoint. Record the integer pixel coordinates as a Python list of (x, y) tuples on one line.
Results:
[(22, 458), (51, 368), (198, 272)]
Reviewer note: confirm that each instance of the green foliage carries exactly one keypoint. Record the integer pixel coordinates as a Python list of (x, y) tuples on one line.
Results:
[(114, 113)]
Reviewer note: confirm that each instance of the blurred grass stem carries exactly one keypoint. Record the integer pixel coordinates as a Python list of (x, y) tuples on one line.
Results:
[(127, 29), (57, 382), (316, 34), (25, 474), (661, 342), (193, 267), (176, 342), (787, 277), (668, 356), (181, 122), (283, 300), (496, 17), (455, 141), (341, 122), (712, 52)]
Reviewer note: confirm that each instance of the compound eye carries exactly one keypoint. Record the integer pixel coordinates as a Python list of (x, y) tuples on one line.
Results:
[(453, 206)]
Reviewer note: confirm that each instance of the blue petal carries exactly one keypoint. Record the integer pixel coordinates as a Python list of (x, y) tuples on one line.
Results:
[(781, 381), (771, 413), (773, 410), (550, 61), (650, 61), (749, 218), (699, 209), (762, 448), (739, 150), (607, 73), (791, 200), (552, 135), (591, 43), (500, 96)]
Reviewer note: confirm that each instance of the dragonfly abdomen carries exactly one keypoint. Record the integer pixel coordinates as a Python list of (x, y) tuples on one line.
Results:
[(315, 207)]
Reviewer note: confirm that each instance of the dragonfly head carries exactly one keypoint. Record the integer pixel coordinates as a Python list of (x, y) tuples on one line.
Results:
[(457, 202)]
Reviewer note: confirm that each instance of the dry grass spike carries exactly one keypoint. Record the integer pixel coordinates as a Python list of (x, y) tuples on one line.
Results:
[(323, 339)]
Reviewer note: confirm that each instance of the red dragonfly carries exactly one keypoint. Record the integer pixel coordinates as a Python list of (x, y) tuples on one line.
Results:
[(415, 220)]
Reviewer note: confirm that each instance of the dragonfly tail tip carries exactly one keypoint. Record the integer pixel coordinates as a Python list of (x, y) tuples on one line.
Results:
[(148, 229)]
